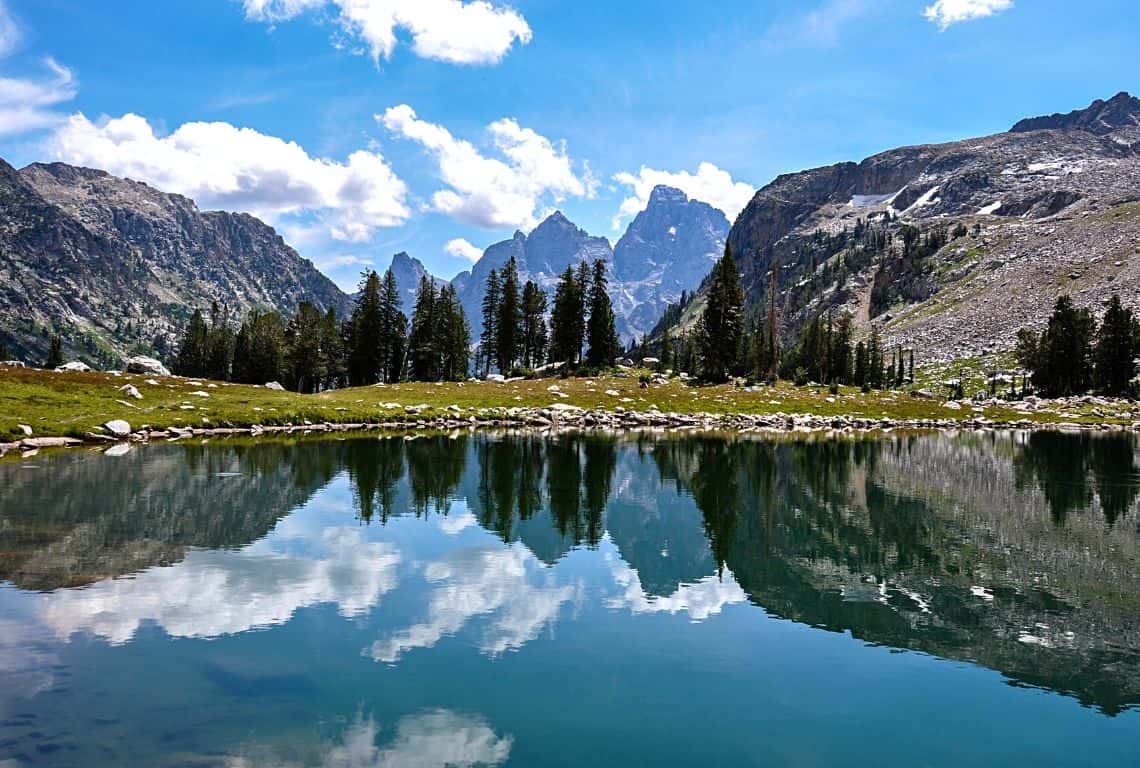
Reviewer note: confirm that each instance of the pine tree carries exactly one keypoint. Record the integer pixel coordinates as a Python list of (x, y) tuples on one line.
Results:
[(567, 326), (259, 349), (770, 359), (601, 332), (666, 353), (304, 370), (840, 356), (4, 353), (533, 325), (455, 335), (875, 361), (220, 344), (721, 327), (1116, 349), (860, 374), (488, 342), (393, 330), (365, 334), (423, 352), (55, 353), (332, 351), (509, 337), (1062, 357), (194, 350)]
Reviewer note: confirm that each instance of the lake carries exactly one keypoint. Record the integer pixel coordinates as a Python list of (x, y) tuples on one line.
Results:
[(568, 600)]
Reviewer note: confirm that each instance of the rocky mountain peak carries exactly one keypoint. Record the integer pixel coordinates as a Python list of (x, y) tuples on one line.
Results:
[(1100, 117), (408, 272), (665, 195)]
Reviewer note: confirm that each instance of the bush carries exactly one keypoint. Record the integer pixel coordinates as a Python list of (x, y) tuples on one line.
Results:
[(800, 377), (834, 388)]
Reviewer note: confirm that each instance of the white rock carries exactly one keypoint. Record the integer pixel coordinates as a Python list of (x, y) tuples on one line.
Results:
[(118, 428), (25, 429), (131, 391), (74, 367), (275, 386), (200, 393), (146, 365)]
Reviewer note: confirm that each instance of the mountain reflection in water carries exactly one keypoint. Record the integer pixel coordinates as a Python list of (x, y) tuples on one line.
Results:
[(1013, 552)]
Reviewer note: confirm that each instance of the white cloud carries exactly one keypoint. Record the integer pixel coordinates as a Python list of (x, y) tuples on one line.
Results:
[(495, 582), (709, 184), (222, 166), (434, 739), (476, 32), (27, 104), (215, 593), (463, 249), (10, 34), (326, 263), (946, 13), (490, 192), (701, 599)]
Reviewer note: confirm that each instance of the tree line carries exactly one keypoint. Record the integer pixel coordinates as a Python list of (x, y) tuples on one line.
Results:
[(727, 343), (314, 351), (516, 338), (1074, 355)]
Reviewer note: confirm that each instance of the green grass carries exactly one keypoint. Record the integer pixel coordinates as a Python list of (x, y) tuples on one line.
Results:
[(76, 403)]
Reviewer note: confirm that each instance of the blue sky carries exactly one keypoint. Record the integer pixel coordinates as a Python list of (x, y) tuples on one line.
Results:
[(364, 127)]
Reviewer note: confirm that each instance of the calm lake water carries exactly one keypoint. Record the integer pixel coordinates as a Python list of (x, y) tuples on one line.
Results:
[(936, 600)]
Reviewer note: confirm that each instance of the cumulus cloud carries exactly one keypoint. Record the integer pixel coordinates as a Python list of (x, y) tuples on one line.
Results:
[(29, 104), (458, 32), (709, 184), (946, 13), (463, 249), (435, 739), (700, 600), (493, 192), (215, 593), (495, 582), (223, 166)]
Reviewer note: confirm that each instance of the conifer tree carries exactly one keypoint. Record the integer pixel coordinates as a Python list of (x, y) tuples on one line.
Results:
[(393, 330), (721, 327), (509, 338), (1061, 358), (602, 334), (332, 351), (365, 332), (259, 349), (567, 326), (423, 351), (860, 374), (304, 369), (666, 353), (1116, 349), (488, 342), (193, 351), (220, 344), (533, 325), (4, 353), (875, 361), (55, 353)]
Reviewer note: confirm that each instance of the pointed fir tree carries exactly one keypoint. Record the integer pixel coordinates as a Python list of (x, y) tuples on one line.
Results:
[(567, 325), (423, 360), (304, 370), (601, 332), (193, 351), (533, 325), (721, 326), (365, 333), (259, 349), (508, 339), (488, 341), (1116, 349), (55, 353), (393, 330), (332, 351)]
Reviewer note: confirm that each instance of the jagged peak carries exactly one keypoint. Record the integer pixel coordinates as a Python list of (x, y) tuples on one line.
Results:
[(1100, 117), (664, 194)]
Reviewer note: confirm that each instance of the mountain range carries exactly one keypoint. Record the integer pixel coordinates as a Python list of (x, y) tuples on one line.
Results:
[(1006, 223)]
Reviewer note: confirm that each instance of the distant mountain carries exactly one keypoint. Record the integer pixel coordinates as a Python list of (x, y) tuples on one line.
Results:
[(667, 249), (1007, 223), (1101, 117), (541, 256), (116, 266), (408, 272)]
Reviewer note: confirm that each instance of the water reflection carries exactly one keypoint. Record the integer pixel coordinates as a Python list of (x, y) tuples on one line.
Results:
[(1015, 552)]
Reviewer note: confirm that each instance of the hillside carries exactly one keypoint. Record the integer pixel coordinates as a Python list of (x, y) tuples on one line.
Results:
[(115, 266), (999, 227)]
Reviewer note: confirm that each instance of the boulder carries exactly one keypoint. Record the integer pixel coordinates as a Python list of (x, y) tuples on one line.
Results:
[(147, 365), (24, 429), (275, 386), (13, 364), (131, 391), (118, 428), (74, 367)]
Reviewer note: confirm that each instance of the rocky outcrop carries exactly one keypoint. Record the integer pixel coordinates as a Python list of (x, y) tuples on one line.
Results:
[(114, 265), (996, 208)]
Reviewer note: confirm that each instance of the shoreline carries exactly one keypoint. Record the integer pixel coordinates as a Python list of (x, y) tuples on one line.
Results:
[(564, 417)]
